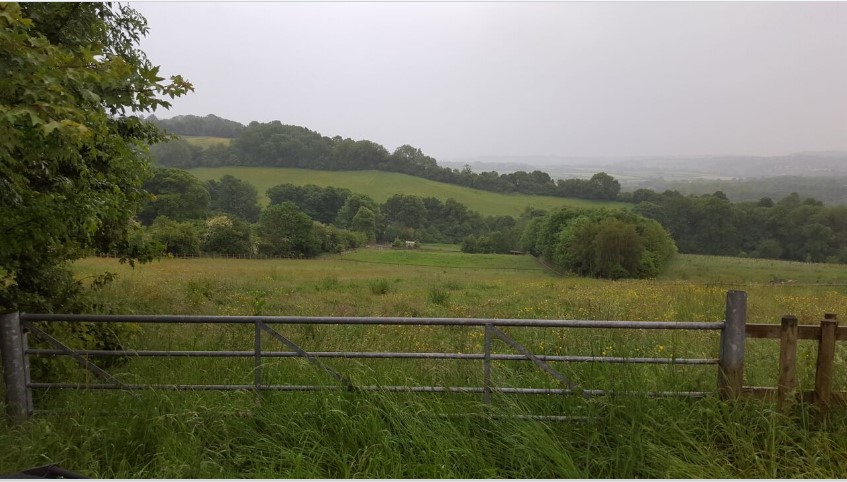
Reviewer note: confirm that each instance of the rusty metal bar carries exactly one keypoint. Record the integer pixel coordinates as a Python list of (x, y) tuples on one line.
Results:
[(348, 320)]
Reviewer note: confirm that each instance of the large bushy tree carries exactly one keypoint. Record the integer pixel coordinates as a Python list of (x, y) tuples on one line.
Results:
[(351, 208), (792, 228), (601, 242), (72, 149), (176, 194), (319, 203), (365, 222), (177, 238), (234, 196), (227, 235), (285, 230)]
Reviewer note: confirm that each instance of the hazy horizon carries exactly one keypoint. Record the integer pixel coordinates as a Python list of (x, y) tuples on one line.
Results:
[(571, 79)]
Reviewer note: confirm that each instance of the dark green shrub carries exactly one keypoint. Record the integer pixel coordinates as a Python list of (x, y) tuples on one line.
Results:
[(610, 244)]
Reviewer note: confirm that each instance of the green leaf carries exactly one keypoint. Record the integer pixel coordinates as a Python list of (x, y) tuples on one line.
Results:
[(50, 127)]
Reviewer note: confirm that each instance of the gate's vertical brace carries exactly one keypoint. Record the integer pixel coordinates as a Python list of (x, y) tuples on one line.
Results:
[(731, 356), (30, 408), (14, 372), (257, 356), (826, 360), (486, 366), (787, 362)]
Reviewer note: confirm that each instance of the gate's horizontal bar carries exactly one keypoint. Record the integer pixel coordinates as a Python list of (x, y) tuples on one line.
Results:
[(375, 388), (389, 355), (282, 388), (348, 320), (546, 418)]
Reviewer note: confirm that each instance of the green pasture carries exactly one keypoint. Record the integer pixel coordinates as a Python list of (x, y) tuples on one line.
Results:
[(441, 256), (382, 185), (206, 141), (333, 434), (744, 271)]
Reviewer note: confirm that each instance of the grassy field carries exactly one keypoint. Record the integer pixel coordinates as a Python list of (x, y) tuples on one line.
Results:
[(382, 185), (349, 434), (206, 141), (744, 271)]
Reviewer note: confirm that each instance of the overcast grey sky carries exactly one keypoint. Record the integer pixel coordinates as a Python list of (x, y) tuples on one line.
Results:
[(559, 79)]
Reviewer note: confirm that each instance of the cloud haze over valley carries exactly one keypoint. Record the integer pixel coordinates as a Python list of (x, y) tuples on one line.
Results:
[(572, 79)]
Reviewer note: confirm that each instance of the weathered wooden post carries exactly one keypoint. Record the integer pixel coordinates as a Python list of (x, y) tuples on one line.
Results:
[(787, 362), (14, 373), (826, 360), (731, 354)]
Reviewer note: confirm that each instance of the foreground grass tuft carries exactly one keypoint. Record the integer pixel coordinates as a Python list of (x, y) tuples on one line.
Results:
[(392, 436)]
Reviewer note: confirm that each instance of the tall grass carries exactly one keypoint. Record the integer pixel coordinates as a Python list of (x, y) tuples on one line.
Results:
[(328, 434), (390, 436)]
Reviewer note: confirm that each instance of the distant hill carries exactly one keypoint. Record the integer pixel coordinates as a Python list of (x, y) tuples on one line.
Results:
[(274, 144), (632, 171), (830, 190), (212, 141), (382, 185)]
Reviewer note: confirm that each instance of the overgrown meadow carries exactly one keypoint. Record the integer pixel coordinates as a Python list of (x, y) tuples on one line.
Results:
[(334, 433)]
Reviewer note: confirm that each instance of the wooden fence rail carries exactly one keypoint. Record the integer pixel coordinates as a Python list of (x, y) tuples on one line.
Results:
[(788, 332)]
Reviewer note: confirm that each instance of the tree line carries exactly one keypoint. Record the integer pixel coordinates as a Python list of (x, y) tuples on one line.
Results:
[(192, 125), (792, 228), (190, 217), (830, 190), (274, 144)]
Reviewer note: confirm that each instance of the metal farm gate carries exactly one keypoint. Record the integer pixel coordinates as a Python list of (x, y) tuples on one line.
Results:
[(15, 328)]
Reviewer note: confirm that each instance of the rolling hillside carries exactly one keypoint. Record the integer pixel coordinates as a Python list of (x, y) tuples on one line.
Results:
[(382, 185)]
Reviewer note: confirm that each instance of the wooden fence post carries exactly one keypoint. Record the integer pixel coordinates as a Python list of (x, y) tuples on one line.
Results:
[(826, 360), (731, 354), (787, 362), (14, 373)]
